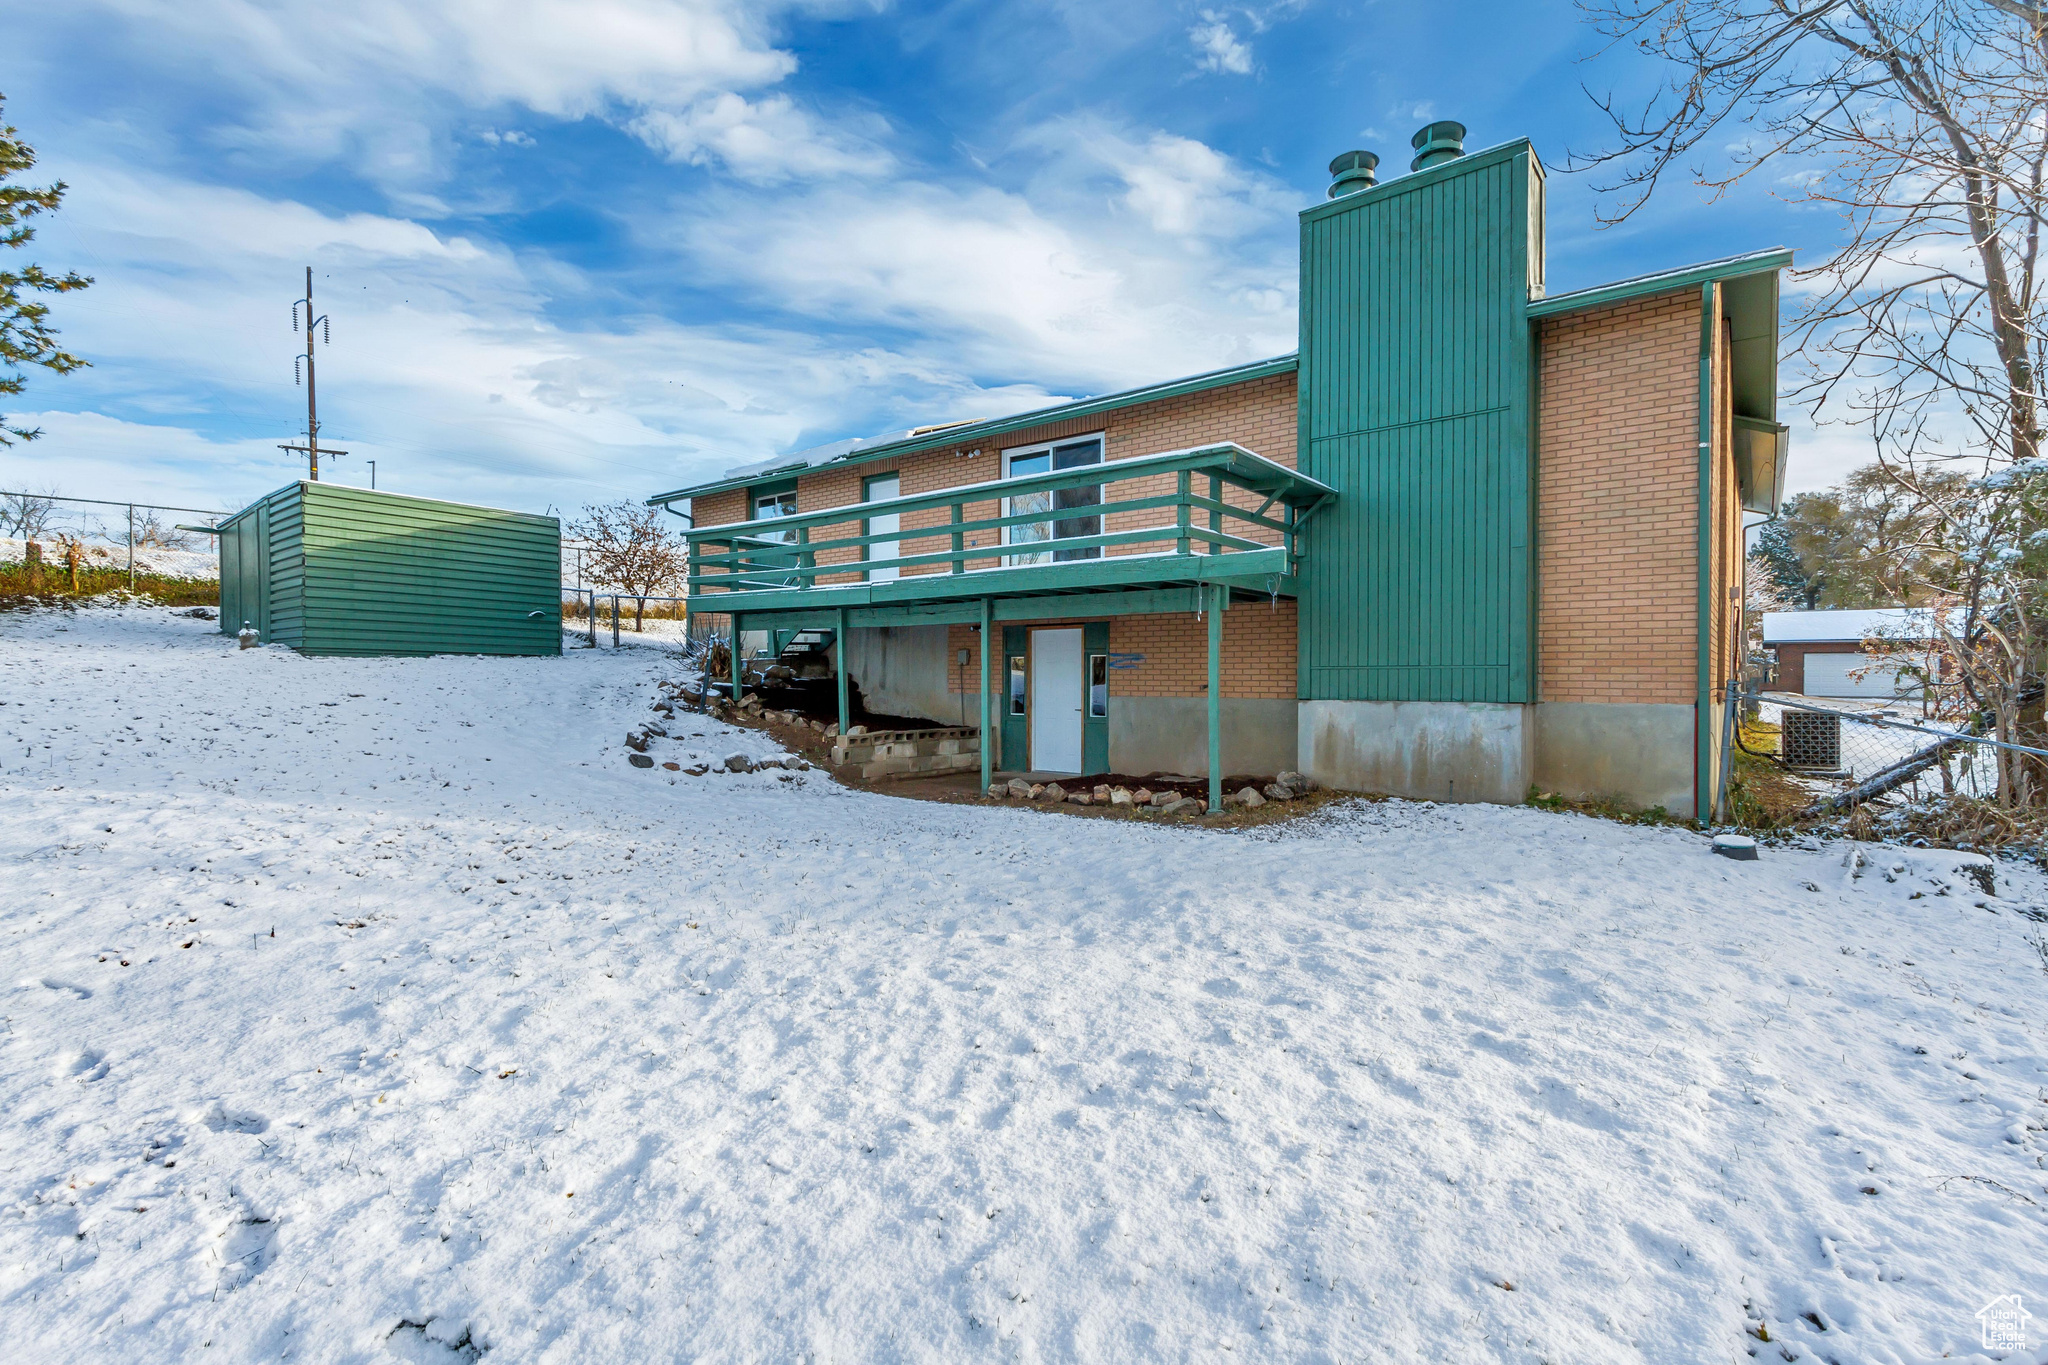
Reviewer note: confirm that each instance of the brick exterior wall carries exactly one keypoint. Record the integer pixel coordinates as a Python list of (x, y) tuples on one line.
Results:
[(1258, 414), (1258, 653), (1617, 503)]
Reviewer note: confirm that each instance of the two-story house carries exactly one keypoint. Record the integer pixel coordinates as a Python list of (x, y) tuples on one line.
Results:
[(1471, 538)]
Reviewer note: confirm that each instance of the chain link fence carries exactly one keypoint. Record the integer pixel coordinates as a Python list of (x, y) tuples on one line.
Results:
[(1799, 762), (55, 547)]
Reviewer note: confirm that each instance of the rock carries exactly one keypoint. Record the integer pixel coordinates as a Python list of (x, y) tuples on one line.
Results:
[(819, 726), (1080, 799), (752, 702), (1101, 794), (832, 730), (738, 763), (697, 770), (637, 742), (1185, 805), (1018, 788), (998, 790), (1249, 798), (1301, 782), (856, 730), (763, 764), (1142, 796), (1279, 791), (796, 764), (1035, 790), (1166, 798), (1051, 791), (1120, 797), (200, 614), (640, 760), (673, 767)]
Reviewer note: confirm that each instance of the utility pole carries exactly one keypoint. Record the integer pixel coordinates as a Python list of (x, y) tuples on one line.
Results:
[(311, 448), (373, 473)]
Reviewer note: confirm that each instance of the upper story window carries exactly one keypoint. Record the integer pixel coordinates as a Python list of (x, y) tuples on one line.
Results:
[(1049, 458), (769, 504)]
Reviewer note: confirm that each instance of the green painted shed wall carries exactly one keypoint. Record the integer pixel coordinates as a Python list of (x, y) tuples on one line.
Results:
[(329, 569), (1416, 384)]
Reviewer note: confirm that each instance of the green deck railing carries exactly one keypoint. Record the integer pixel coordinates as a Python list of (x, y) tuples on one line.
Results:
[(744, 557)]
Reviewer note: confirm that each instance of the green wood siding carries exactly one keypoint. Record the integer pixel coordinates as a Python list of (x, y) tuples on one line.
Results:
[(328, 569), (1416, 395)]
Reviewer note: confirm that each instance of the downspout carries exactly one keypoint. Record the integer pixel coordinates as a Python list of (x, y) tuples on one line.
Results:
[(1703, 711)]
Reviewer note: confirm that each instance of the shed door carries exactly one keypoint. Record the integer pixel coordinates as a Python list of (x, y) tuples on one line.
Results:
[(1828, 675)]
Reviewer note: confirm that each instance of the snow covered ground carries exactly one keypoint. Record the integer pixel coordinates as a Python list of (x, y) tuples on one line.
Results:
[(362, 1010)]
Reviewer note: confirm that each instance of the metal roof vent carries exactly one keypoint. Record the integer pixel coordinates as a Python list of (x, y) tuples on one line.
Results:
[(1353, 172), (1439, 142)]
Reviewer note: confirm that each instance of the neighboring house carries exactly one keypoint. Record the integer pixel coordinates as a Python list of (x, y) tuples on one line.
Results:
[(1821, 654), (1392, 560)]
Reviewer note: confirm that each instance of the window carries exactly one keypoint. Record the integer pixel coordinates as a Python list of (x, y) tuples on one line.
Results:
[(1016, 684), (1098, 686), (881, 488), (769, 505), (1047, 459)]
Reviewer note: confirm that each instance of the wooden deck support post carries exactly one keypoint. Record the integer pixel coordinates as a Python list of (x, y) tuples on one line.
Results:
[(988, 615), (839, 668), (735, 652), (1217, 594)]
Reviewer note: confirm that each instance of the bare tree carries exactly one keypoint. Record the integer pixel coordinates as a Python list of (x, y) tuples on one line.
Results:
[(27, 516), (1922, 125), (629, 548), (153, 532)]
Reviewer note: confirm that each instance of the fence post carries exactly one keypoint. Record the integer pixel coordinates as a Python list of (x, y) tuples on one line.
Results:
[(131, 547), (591, 593), (615, 620)]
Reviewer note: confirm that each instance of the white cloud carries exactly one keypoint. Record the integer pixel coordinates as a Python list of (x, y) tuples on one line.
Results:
[(373, 80), (1218, 47), (762, 141), (443, 366), (1126, 259)]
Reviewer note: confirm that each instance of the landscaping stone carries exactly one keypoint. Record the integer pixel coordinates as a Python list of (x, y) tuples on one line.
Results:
[(856, 730), (1279, 791), (1166, 798), (1034, 791), (738, 763), (673, 767), (640, 760), (1120, 797), (697, 770), (998, 790), (1143, 796), (1301, 782), (637, 742), (1249, 798), (1101, 794), (1018, 788), (832, 730), (1185, 805), (1080, 799), (1052, 791)]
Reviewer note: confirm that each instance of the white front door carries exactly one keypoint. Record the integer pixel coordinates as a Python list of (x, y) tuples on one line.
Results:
[(881, 489), (1057, 694)]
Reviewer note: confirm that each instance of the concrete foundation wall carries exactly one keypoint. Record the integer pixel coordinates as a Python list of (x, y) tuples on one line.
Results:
[(1171, 735), (1429, 750), (903, 671), (1638, 753)]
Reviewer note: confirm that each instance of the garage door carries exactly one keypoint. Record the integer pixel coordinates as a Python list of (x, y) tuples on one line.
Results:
[(1827, 675)]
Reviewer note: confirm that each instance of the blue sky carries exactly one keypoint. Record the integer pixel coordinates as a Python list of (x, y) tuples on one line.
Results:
[(576, 250)]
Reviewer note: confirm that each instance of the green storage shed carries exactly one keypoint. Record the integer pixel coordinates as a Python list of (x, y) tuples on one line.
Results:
[(329, 569)]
